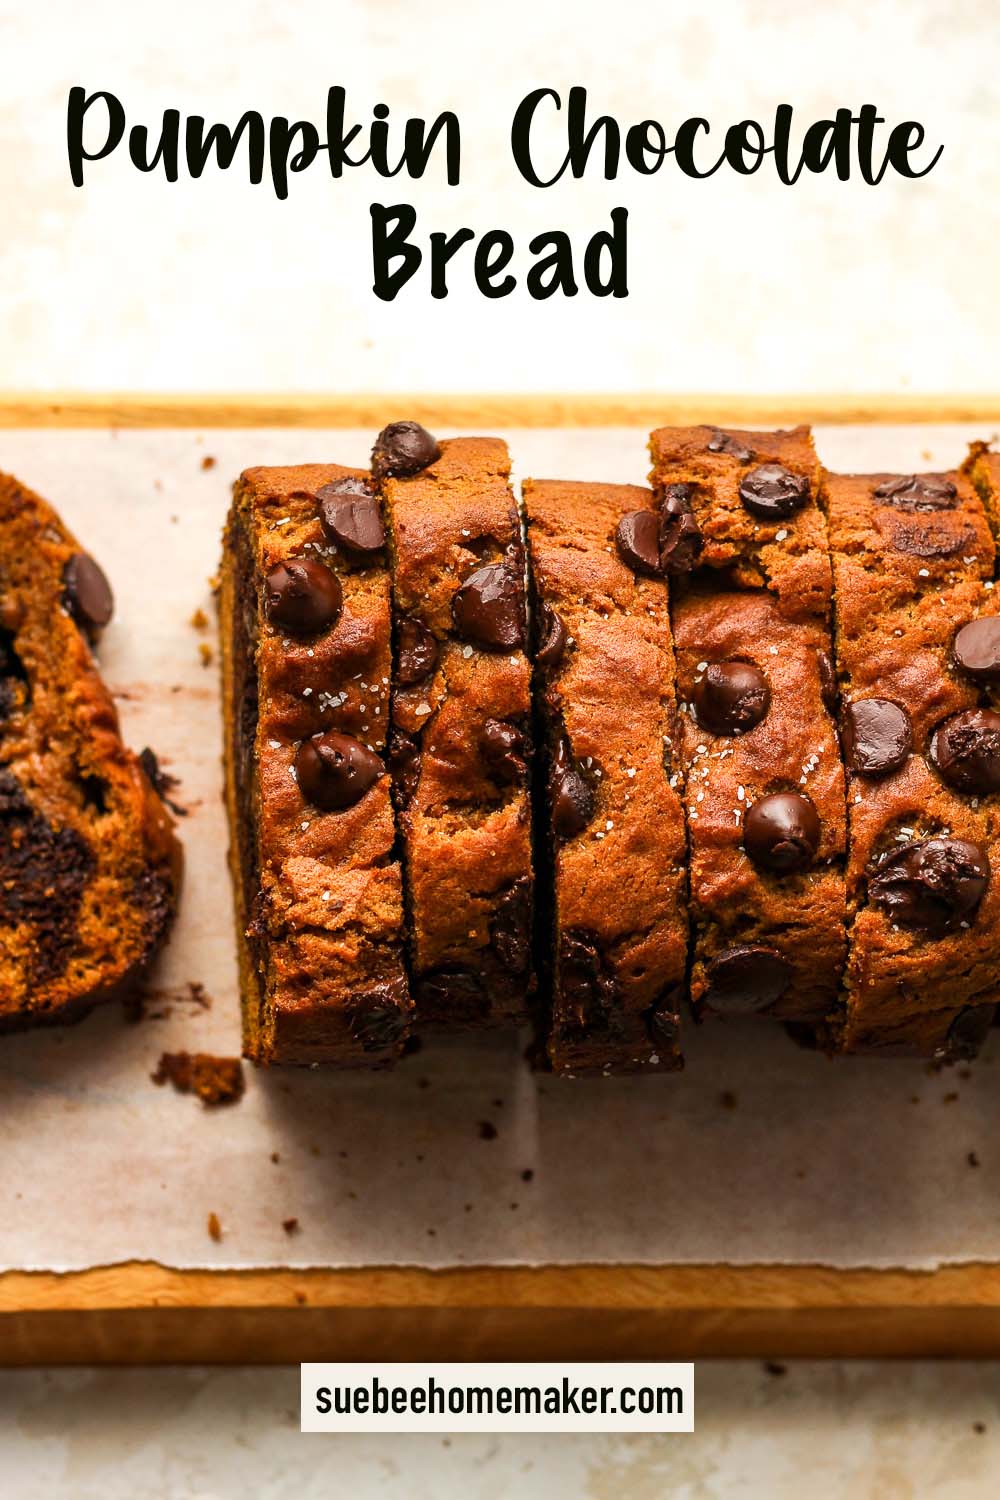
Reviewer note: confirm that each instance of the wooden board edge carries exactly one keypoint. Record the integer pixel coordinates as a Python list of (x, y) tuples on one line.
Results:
[(145, 1313), (643, 409)]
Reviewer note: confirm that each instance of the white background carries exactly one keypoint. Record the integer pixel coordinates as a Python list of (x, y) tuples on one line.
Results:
[(738, 284)]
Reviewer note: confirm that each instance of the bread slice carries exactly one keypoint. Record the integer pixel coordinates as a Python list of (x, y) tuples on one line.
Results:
[(89, 865)]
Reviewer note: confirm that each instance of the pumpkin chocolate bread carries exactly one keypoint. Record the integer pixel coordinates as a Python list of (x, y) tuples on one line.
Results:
[(918, 661), (746, 504), (89, 866), (765, 807), (306, 651), (612, 844), (461, 730)]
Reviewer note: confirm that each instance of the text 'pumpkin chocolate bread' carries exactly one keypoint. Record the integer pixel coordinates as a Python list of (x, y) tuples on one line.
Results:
[(89, 866), (306, 649), (918, 659), (461, 723), (613, 823), (745, 504)]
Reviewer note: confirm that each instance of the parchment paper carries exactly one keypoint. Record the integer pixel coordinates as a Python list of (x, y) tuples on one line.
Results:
[(758, 1152)]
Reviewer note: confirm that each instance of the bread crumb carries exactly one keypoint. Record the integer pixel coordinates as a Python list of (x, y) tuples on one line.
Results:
[(290, 1226), (206, 653), (727, 1099), (215, 1080), (487, 1130), (200, 620), (208, 462), (214, 1228)]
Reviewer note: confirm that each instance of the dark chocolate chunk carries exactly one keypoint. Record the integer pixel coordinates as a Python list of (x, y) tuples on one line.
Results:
[(350, 516), (637, 538), (416, 652), (503, 748), (664, 1027), (335, 771), (829, 691), (404, 763), (976, 649), (88, 593), (44, 872), (965, 749), (724, 442), (587, 991), (302, 596), (681, 540), (731, 697), (927, 539), (552, 637), (877, 736), (378, 1017), (403, 449), (455, 996), (931, 884), (918, 492), (781, 832), (489, 608), (967, 1033), (510, 928), (747, 977), (772, 492), (572, 797)]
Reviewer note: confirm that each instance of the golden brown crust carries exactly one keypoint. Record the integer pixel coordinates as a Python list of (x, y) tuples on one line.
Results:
[(319, 893), (466, 825), (788, 554), (618, 927), (800, 916), (905, 580), (89, 865)]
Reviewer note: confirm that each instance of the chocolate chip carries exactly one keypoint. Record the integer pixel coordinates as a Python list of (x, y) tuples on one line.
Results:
[(571, 796), (918, 492), (88, 593), (350, 516), (877, 736), (965, 749), (781, 832), (681, 540), (931, 884), (403, 449), (552, 637), (663, 1026), (302, 596), (731, 697), (404, 763), (773, 492), (724, 442), (335, 771), (510, 927), (489, 608), (587, 991), (967, 1033), (503, 749), (455, 996), (976, 649), (829, 691), (378, 1018), (637, 538), (747, 977), (925, 539), (416, 651)]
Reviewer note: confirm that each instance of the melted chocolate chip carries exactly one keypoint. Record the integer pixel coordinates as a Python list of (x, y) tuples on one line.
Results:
[(44, 872), (350, 516), (335, 771), (781, 832), (637, 538), (681, 540), (88, 593), (663, 1027), (918, 492), (877, 736), (302, 596), (724, 442), (416, 650), (747, 977), (731, 697), (587, 991), (967, 1033), (552, 637), (503, 749), (829, 691), (403, 449), (455, 996), (925, 539), (378, 1018), (489, 608), (510, 928), (976, 649), (931, 884), (404, 763), (773, 492), (965, 749), (571, 796)]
